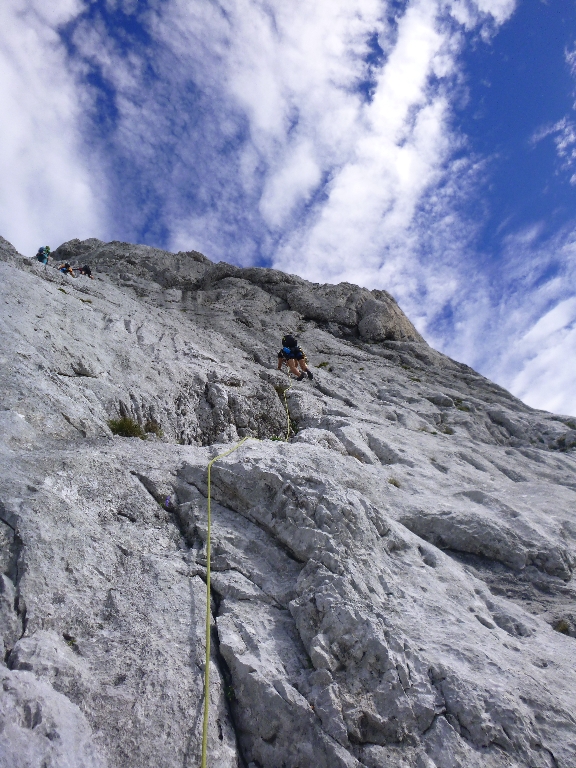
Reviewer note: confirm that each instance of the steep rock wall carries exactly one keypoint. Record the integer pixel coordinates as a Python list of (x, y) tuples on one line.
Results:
[(393, 586)]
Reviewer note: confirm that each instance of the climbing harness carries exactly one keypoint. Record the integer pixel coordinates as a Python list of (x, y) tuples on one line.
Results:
[(208, 551)]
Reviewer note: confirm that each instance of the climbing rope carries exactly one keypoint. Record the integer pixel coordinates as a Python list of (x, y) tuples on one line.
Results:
[(208, 551), (288, 425), (208, 614)]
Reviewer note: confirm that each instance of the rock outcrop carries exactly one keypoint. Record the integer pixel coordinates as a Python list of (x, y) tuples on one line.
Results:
[(392, 586)]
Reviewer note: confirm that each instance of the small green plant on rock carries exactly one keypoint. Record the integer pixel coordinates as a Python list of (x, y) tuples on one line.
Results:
[(323, 364), (293, 430), (71, 642), (126, 427), (394, 482), (562, 626), (153, 427)]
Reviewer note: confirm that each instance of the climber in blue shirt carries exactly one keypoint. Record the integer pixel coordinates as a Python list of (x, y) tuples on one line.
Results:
[(43, 254), (293, 356)]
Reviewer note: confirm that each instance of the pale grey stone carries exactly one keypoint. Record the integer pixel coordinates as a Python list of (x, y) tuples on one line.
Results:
[(392, 586), (320, 437), (41, 727)]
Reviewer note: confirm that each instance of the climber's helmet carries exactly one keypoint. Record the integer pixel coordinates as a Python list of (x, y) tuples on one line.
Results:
[(289, 341)]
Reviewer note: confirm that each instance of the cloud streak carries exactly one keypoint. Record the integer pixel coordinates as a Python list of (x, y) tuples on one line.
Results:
[(305, 136), (47, 191), (530, 343)]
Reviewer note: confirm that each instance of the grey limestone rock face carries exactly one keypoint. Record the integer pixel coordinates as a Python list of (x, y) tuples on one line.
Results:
[(39, 726), (371, 315), (392, 585)]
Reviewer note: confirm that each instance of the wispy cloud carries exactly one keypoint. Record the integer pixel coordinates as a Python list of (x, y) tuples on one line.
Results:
[(570, 58), (563, 131), (302, 135), (530, 325), (48, 184), (306, 135), (516, 321), (563, 134)]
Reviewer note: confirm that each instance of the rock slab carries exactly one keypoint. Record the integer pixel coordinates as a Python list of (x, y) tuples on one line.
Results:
[(392, 585)]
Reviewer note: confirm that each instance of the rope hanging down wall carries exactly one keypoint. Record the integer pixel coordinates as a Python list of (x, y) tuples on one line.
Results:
[(288, 426), (208, 586), (208, 614)]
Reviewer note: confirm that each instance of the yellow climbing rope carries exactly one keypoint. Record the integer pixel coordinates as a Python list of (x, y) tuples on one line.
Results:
[(288, 425), (208, 614), (208, 550)]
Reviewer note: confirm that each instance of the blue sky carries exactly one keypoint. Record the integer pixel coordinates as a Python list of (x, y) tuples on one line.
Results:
[(427, 147), (518, 85)]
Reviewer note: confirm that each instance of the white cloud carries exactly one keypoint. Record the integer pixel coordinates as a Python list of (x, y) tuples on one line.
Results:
[(47, 191), (293, 183), (545, 380), (570, 58), (556, 320), (366, 230), (264, 125), (500, 10), (564, 137), (519, 328), (563, 131), (334, 177)]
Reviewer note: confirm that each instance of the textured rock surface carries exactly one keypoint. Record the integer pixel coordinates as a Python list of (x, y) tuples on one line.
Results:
[(392, 588)]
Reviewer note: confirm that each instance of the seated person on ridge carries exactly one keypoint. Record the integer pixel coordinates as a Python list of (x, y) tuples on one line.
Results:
[(86, 271), (292, 355), (66, 269)]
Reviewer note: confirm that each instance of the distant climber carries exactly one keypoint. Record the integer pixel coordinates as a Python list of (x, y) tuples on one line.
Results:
[(293, 356), (43, 254), (86, 271), (66, 269)]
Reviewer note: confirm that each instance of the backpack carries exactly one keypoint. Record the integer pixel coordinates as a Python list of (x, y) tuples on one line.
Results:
[(289, 342)]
